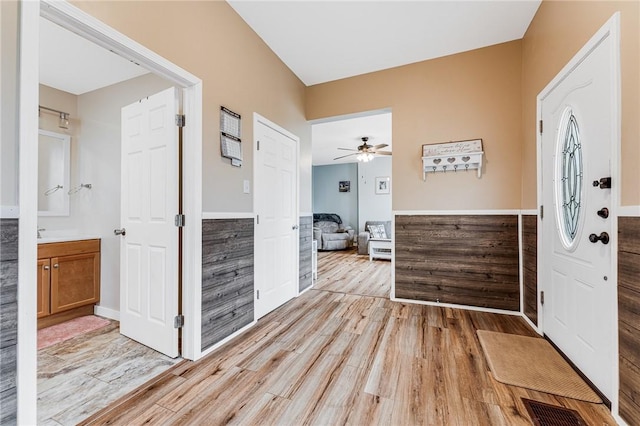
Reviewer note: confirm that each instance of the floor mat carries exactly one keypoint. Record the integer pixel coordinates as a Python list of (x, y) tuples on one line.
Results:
[(532, 363), (67, 330)]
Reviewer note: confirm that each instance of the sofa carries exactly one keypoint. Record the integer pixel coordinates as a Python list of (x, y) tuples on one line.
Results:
[(331, 233), (365, 236)]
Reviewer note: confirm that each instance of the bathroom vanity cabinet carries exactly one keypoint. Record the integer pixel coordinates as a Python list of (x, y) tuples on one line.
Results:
[(68, 280)]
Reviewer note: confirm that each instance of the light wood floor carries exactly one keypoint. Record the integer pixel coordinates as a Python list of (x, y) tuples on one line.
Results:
[(347, 272), (330, 358)]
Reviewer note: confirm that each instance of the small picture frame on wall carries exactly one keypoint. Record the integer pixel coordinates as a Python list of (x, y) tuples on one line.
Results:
[(383, 185), (344, 186)]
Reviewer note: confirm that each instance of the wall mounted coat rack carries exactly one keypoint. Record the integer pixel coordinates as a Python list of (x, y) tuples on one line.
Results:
[(452, 157)]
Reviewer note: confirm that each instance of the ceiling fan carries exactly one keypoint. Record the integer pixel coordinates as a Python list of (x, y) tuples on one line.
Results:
[(365, 152)]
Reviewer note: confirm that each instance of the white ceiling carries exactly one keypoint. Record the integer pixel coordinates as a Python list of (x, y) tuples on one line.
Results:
[(347, 133), (75, 65), (323, 41)]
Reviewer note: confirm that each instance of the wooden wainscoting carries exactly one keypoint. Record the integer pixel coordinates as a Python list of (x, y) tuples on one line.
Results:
[(460, 259), (530, 266), (9, 316), (629, 317), (227, 277), (306, 237)]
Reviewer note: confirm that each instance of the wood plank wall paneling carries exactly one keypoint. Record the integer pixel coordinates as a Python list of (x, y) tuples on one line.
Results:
[(306, 237), (466, 260), (8, 319), (530, 266), (227, 277), (629, 317)]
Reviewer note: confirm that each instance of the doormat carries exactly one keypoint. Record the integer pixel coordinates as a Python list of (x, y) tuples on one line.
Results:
[(552, 415), (532, 363), (67, 330)]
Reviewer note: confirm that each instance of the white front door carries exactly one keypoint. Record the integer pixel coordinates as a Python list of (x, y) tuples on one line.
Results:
[(276, 236), (149, 247), (578, 230)]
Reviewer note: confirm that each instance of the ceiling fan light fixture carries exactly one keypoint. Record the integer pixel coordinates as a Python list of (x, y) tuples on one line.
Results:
[(364, 157)]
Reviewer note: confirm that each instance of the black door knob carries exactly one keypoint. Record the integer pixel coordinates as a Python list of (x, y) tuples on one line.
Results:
[(603, 237), (603, 183), (603, 212)]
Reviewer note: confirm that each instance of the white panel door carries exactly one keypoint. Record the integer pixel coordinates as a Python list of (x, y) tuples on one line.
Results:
[(578, 312), (149, 247), (276, 236)]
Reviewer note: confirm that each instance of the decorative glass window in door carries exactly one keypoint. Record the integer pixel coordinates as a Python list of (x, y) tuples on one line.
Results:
[(569, 178)]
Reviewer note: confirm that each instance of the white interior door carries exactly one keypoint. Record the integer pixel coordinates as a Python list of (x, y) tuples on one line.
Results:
[(149, 247), (578, 121), (276, 236)]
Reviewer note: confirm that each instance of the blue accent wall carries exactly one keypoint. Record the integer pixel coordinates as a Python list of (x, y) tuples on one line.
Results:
[(327, 198)]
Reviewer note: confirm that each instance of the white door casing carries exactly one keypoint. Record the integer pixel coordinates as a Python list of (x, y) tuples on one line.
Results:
[(578, 146), (149, 248), (276, 207)]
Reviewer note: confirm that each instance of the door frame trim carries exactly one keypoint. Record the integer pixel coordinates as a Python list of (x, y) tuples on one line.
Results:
[(609, 31), (257, 118), (85, 25)]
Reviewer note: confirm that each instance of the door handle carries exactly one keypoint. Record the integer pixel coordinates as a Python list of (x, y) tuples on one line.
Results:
[(55, 266), (603, 237), (294, 227), (46, 267), (122, 232), (603, 183), (603, 212)]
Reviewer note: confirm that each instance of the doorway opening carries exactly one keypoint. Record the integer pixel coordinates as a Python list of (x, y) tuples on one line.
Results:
[(165, 74), (352, 190)]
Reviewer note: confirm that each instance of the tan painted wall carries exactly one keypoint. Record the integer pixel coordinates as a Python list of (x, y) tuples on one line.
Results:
[(238, 71), (9, 102), (470, 95), (558, 31)]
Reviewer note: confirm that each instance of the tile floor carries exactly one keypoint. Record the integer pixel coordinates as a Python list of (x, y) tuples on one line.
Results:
[(80, 376)]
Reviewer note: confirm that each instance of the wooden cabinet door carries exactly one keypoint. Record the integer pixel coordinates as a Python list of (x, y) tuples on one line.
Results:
[(75, 281), (44, 273)]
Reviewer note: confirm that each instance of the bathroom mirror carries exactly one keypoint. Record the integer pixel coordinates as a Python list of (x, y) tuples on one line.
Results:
[(54, 161)]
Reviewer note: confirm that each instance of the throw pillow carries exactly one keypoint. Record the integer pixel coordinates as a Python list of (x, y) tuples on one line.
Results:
[(377, 231)]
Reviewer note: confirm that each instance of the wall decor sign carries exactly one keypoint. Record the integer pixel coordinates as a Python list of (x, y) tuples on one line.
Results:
[(344, 186), (383, 185), (452, 156)]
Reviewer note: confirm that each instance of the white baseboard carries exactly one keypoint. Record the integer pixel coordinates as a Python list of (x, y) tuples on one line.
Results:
[(631, 211), (226, 339), (531, 324), (228, 215), (451, 305), (9, 212), (103, 311)]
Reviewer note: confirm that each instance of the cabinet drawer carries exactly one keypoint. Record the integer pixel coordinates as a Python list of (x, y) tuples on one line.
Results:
[(68, 248)]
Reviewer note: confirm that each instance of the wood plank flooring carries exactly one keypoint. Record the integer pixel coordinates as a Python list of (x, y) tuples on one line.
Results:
[(345, 271), (332, 358)]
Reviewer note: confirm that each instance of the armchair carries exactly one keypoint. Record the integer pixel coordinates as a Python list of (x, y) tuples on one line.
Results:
[(364, 236), (330, 233)]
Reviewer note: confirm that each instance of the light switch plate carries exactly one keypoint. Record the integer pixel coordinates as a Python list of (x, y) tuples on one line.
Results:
[(246, 187)]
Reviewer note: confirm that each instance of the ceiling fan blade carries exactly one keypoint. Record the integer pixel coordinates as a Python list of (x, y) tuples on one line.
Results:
[(348, 149), (382, 152), (348, 155), (382, 145)]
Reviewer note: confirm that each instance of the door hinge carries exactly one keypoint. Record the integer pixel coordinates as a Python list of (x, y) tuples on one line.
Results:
[(541, 126), (257, 294), (180, 120), (180, 220), (178, 321), (542, 297), (541, 212), (258, 147)]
